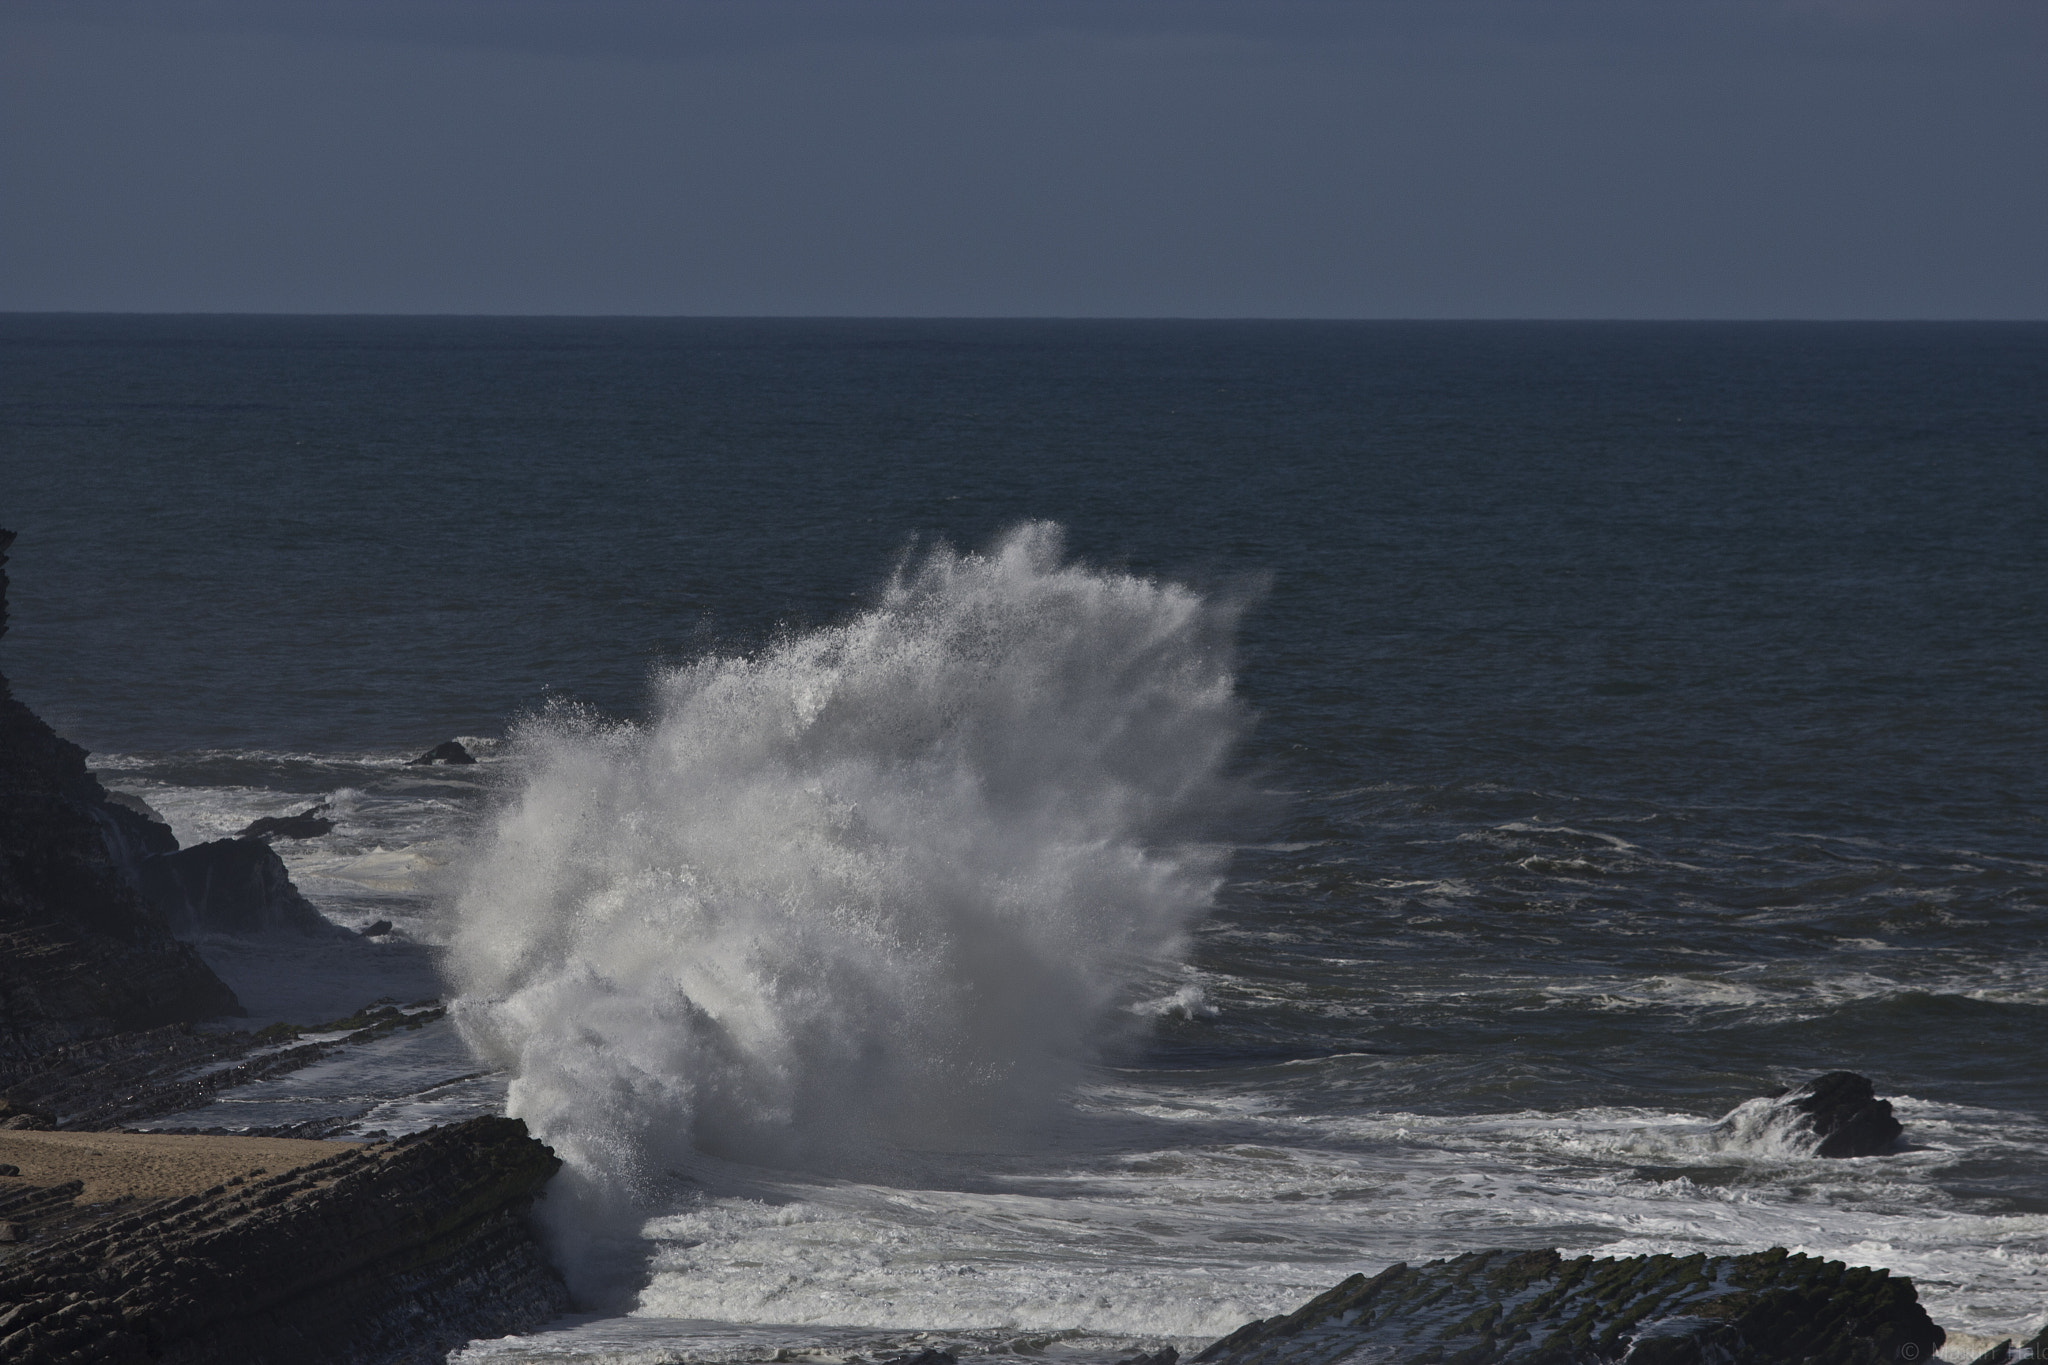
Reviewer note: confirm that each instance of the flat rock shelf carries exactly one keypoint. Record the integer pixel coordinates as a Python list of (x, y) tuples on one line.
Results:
[(375, 1252)]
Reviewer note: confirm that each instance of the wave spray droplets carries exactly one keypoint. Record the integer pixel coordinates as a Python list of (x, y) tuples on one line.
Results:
[(880, 885)]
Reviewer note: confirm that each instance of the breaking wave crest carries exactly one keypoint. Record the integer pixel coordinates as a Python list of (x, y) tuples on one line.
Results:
[(878, 886)]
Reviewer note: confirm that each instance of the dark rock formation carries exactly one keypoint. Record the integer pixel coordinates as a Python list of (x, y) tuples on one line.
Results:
[(1537, 1306), (376, 930), (229, 886), (307, 824), (132, 836), (1843, 1111), (119, 1079), (389, 1253), (446, 752), (930, 1355), (81, 955), (2006, 1353), (1165, 1355), (1836, 1115), (107, 1082), (382, 1254), (130, 1077), (130, 801)]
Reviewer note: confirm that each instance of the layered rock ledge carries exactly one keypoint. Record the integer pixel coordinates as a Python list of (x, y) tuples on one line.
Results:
[(377, 1254)]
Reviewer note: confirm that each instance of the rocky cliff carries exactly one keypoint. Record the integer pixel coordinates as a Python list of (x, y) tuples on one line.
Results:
[(81, 953), (383, 1254)]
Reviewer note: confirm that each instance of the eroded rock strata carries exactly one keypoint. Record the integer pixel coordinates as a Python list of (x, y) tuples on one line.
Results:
[(387, 1253), (1540, 1306)]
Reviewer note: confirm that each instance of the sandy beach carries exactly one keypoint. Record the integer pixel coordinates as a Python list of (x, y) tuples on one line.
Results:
[(150, 1165)]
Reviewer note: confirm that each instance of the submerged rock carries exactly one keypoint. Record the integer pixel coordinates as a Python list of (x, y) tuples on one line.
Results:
[(307, 824), (385, 1253), (446, 752), (229, 886), (1538, 1306)]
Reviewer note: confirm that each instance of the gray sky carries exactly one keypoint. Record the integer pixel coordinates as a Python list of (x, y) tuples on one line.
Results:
[(1285, 158)]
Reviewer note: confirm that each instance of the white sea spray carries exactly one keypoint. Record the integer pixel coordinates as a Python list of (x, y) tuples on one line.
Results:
[(877, 887)]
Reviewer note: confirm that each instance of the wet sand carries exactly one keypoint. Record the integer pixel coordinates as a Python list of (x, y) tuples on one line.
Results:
[(150, 1165)]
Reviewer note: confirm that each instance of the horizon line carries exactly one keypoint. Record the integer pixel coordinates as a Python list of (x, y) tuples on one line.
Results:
[(1013, 317)]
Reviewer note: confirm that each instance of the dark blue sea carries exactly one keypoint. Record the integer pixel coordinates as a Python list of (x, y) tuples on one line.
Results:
[(1047, 836)]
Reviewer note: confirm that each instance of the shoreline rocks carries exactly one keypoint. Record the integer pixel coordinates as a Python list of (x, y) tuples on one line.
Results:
[(307, 824), (105, 1083), (228, 886), (2011, 1352), (387, 1253), (384, 1254), (1843, 1111), (130, 801), (1835, 1115), (81, 954), (1489, 1307)]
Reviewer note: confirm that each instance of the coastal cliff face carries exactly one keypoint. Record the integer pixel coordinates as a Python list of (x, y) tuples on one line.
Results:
[(385, 1254), (81, 954)]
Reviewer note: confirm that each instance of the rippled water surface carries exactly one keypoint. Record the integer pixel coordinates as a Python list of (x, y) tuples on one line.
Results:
[(1645, 717)]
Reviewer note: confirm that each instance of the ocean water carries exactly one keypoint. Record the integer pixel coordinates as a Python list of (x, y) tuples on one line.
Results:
[(1049, 837)]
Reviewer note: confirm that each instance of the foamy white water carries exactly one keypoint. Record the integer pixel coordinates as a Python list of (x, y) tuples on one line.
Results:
[(1159, 1214), (806, 975), (876, 888)]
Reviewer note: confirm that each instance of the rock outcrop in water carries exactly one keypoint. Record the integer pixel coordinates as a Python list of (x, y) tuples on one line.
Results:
[(1843, 1111), (307, 824), (96, 879), (1497, 1307), (447, 751), (81, 954), (228, 886), (1836, 1115), (388, 1253)]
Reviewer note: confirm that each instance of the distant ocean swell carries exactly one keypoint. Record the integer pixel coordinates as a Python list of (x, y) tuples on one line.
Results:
[(877, 887)]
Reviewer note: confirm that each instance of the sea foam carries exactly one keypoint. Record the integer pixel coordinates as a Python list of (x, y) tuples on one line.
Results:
[(874, 888)]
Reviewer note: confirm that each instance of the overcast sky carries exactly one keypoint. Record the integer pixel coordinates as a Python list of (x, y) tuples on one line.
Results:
[(1284, 158)]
